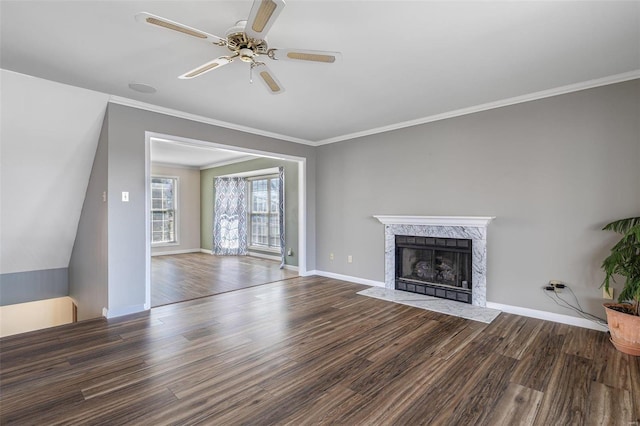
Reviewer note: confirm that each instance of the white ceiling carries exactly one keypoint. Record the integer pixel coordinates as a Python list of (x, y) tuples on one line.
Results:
[(49, 134), (403, 61), (189, 155)]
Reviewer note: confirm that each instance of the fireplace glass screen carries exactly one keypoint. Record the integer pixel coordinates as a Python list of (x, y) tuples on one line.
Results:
[(434, 266)]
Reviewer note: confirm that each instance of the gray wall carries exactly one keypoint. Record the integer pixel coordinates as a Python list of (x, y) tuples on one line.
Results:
[(291, 199), (188, 207), (88, 266), (28, 286), (126, 165), (552, 171)]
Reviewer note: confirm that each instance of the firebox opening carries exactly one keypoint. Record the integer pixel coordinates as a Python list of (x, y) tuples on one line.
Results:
[(439, 267)]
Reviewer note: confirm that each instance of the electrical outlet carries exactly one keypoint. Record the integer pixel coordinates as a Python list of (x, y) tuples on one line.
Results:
[(349, 259), (607, 294), (554, 282), (330, 256)]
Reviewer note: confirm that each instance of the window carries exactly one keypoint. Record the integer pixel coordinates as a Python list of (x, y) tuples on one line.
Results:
[(264, 216), (163, 210)]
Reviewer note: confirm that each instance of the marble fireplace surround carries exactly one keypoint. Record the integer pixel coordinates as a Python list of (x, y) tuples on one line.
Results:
[(468, 227)]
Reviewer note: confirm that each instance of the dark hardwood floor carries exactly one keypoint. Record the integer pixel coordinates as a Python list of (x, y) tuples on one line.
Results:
[(180, 277), (312, 351)]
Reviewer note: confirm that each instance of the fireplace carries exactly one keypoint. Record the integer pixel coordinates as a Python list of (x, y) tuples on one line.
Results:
[(439, 267), (442, 231)]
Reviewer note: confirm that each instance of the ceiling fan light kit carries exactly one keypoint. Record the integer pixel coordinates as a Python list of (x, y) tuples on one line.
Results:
[(247, 41)]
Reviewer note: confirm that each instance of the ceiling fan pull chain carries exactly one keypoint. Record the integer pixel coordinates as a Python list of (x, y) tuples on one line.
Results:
[(251, 73)]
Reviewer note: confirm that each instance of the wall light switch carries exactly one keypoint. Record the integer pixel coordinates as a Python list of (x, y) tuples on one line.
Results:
[(607, 294), (125, 197), (349, 259)]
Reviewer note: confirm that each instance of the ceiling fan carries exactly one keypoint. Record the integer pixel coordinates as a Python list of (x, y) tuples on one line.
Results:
[(247, 41)]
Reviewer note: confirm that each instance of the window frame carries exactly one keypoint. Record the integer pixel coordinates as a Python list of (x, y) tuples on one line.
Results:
[(269, 213), (176, 214)]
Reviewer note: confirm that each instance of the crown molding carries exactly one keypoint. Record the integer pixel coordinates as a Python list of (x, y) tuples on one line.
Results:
[(173, 165), (562, 90), (199, 118), (229, 162), (589, 84)]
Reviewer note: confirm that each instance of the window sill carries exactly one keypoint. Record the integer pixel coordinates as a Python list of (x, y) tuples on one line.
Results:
[(264, 249), (164, 244)]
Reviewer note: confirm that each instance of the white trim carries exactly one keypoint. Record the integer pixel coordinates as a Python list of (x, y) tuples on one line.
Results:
[(163, 253), (517, 310), (181, 140), (127, 310), (289, 267), (477, 221), (348, 278), (155, 245), (193, 117), (273, 171), (576, 87), (302, 197), (590, 84), (147, 221), (173, 166), (302, 218), (229, 162), (548, 316)]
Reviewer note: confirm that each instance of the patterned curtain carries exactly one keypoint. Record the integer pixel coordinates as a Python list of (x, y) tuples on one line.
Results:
[(283, 249), (230, 217)]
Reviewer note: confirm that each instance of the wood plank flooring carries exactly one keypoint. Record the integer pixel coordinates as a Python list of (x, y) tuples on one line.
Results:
[(180, 277), (311, 351)]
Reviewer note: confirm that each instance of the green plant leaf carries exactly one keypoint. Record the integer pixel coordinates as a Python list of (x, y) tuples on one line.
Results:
[(624, 259)]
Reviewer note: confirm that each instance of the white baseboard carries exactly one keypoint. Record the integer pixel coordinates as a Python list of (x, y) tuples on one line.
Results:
[(525, 312), (549, 316), (125, 310), (264, 256), (349, 278), (165, 253)]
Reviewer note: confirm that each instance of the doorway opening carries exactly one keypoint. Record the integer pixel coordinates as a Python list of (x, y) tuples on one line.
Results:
[(179, 217)]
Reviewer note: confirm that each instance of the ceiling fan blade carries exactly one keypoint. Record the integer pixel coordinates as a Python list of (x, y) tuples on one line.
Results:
[(267, 77), (306, 55), (158, 21), (205, 68), (262, 16)]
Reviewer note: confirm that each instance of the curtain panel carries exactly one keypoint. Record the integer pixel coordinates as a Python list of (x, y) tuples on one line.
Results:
[(230, 217)]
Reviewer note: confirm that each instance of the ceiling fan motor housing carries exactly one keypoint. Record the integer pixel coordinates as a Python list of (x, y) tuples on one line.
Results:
[(247, 41), (238, 40)]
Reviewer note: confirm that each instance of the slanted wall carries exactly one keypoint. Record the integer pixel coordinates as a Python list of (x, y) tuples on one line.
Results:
[(88, 276)]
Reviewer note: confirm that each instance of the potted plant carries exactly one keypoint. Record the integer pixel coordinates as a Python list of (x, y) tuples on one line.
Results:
[(624, 261)]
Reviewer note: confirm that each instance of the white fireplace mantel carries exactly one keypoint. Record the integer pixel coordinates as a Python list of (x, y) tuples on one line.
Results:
[(476, 221)]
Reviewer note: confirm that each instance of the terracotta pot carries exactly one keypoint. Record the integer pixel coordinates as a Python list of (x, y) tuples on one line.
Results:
[(624, 329)]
